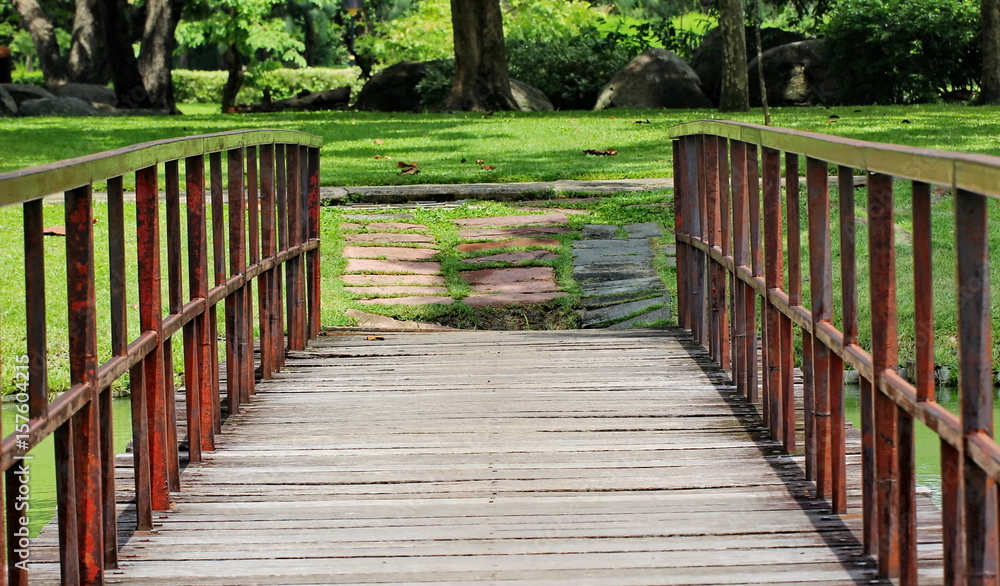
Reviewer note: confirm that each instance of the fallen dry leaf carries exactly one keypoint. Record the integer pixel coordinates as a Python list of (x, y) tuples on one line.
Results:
[(487, 167), (374, 338), (408, 168), (480, 162), (54, 231), (383, 157), (606, 153), (612, 118), (379, 142)]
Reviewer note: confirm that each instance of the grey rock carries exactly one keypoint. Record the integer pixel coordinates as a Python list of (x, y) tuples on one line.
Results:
[(92, 93), (656, 78), (617, 313), (528, 98), (621, 286), (599, 231), (707, 59), (669, 249), (649, 317), (21, 92), (645, 230), (58, 107), (8, 107), (632, 295), (394, 89), (671, 261), (625, 253), (795, 75)]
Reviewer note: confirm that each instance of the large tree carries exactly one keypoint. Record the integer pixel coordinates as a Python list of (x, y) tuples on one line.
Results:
[(43, 34), (735, 95), (989, 85), (481, 78)]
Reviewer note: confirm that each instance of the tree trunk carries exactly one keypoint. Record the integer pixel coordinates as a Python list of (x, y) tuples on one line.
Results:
[(989, 85), (234, 63), (40, 26), (129, 87), (481, 78), (157, 52), (86, 55), (735, 95)]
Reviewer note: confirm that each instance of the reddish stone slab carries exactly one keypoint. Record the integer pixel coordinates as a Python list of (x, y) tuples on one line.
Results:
[(407, 290), (502, 299), (389, 252), (358, 265), (408, 301), (567, 211), (520, 287), (395, 226), (512, 275), (386, 238), (526, 242), (514, 256), (390, 280), (350, 226), (550, 219), (381, 322), (504, 233)]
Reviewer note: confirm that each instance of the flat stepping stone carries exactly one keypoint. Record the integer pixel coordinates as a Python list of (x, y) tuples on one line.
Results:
[(599, 231), (511, 275), (644, 230), (395, 226), (381, 322), (517, 242), (519, 287), (378, 217), (599, 273), (398, 290), (616, 313), (364, 265), (390, 280), (386, 238), (550, 219), (502, 299), (389, 252), (595, 301), (620, 252), (505, 233), (646, 318), (426, 300), (513, 256), (567, 211), (618, 286), (351, 226)]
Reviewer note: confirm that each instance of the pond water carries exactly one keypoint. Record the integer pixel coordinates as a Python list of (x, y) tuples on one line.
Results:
[(42, 468)]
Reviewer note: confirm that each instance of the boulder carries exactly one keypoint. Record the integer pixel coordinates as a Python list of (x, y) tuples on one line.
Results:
[(707, 59), (57, 107), (394, 89), (22, 92), (794, 75), (335, 99), (530, 99), (656, 78), (88, 92), (8, 107)]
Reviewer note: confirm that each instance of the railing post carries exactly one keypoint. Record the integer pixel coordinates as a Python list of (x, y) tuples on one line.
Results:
[(313, 235), (265, 289), (219, 269), (711, 237), (198, 329), (251, 255), (235, 311), (281, 207), (294, 267), (150, 319), (774, 278), (821, 294), (680, 228), (753, 200), (975, 370), (119, 347), (696, 274), (81, 302), (742, 366), (726, 280)]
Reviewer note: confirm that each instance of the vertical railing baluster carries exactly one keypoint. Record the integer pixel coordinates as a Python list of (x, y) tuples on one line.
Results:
[(696, 296), (265, 288), (66, 503), (294, 267), (975, 382), (741, 258), (219, 269), (150, 319), (235, 311), (119, 347), (313, 298), (200, 400), (821, 296), (849, 317), (251, 255), (882, 254), (711, 237), (753, 188), (81, 303), (281, 218), (774, 279), (175, 300), (680, 229), (794, 242)]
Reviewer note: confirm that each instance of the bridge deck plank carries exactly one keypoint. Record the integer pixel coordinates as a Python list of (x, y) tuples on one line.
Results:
[(578, 457)]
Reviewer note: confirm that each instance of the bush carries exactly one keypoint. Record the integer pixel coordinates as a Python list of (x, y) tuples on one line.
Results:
[(206, 86), (903, 51)]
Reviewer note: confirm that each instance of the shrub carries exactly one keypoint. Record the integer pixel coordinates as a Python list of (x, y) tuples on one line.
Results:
[(903, 51), (206, 86)]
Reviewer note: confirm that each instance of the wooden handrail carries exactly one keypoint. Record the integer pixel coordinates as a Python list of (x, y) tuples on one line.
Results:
[(273, 227), (735, 255)]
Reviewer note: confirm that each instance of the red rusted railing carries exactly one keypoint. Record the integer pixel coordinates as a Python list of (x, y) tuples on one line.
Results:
[(728, 195), (273, 225)]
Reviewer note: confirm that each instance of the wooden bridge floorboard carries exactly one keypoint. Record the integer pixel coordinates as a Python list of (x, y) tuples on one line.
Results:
[(574, 457)]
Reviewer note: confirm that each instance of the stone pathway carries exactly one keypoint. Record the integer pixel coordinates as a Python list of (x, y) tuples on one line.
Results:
[(621, 289)]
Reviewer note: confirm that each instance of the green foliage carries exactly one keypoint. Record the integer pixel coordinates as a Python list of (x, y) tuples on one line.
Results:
[(422, 35), (903, 51), (437, 82), (206, 86)]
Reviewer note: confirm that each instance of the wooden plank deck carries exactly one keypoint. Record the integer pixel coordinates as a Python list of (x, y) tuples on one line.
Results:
[(572, 457)]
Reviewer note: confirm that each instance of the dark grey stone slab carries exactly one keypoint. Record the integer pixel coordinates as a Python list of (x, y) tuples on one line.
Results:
[(595, 301), (621, 286), (616, 313), (622, 254), (645, 230), (376, 217), (612, 272), (599, 231), (646, 318), (669, 249)]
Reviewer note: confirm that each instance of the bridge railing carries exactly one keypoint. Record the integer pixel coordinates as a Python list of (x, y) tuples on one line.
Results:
[(740, 251), (263, 229)]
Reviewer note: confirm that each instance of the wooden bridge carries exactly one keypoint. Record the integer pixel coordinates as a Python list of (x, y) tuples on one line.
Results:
[(719, 456)]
